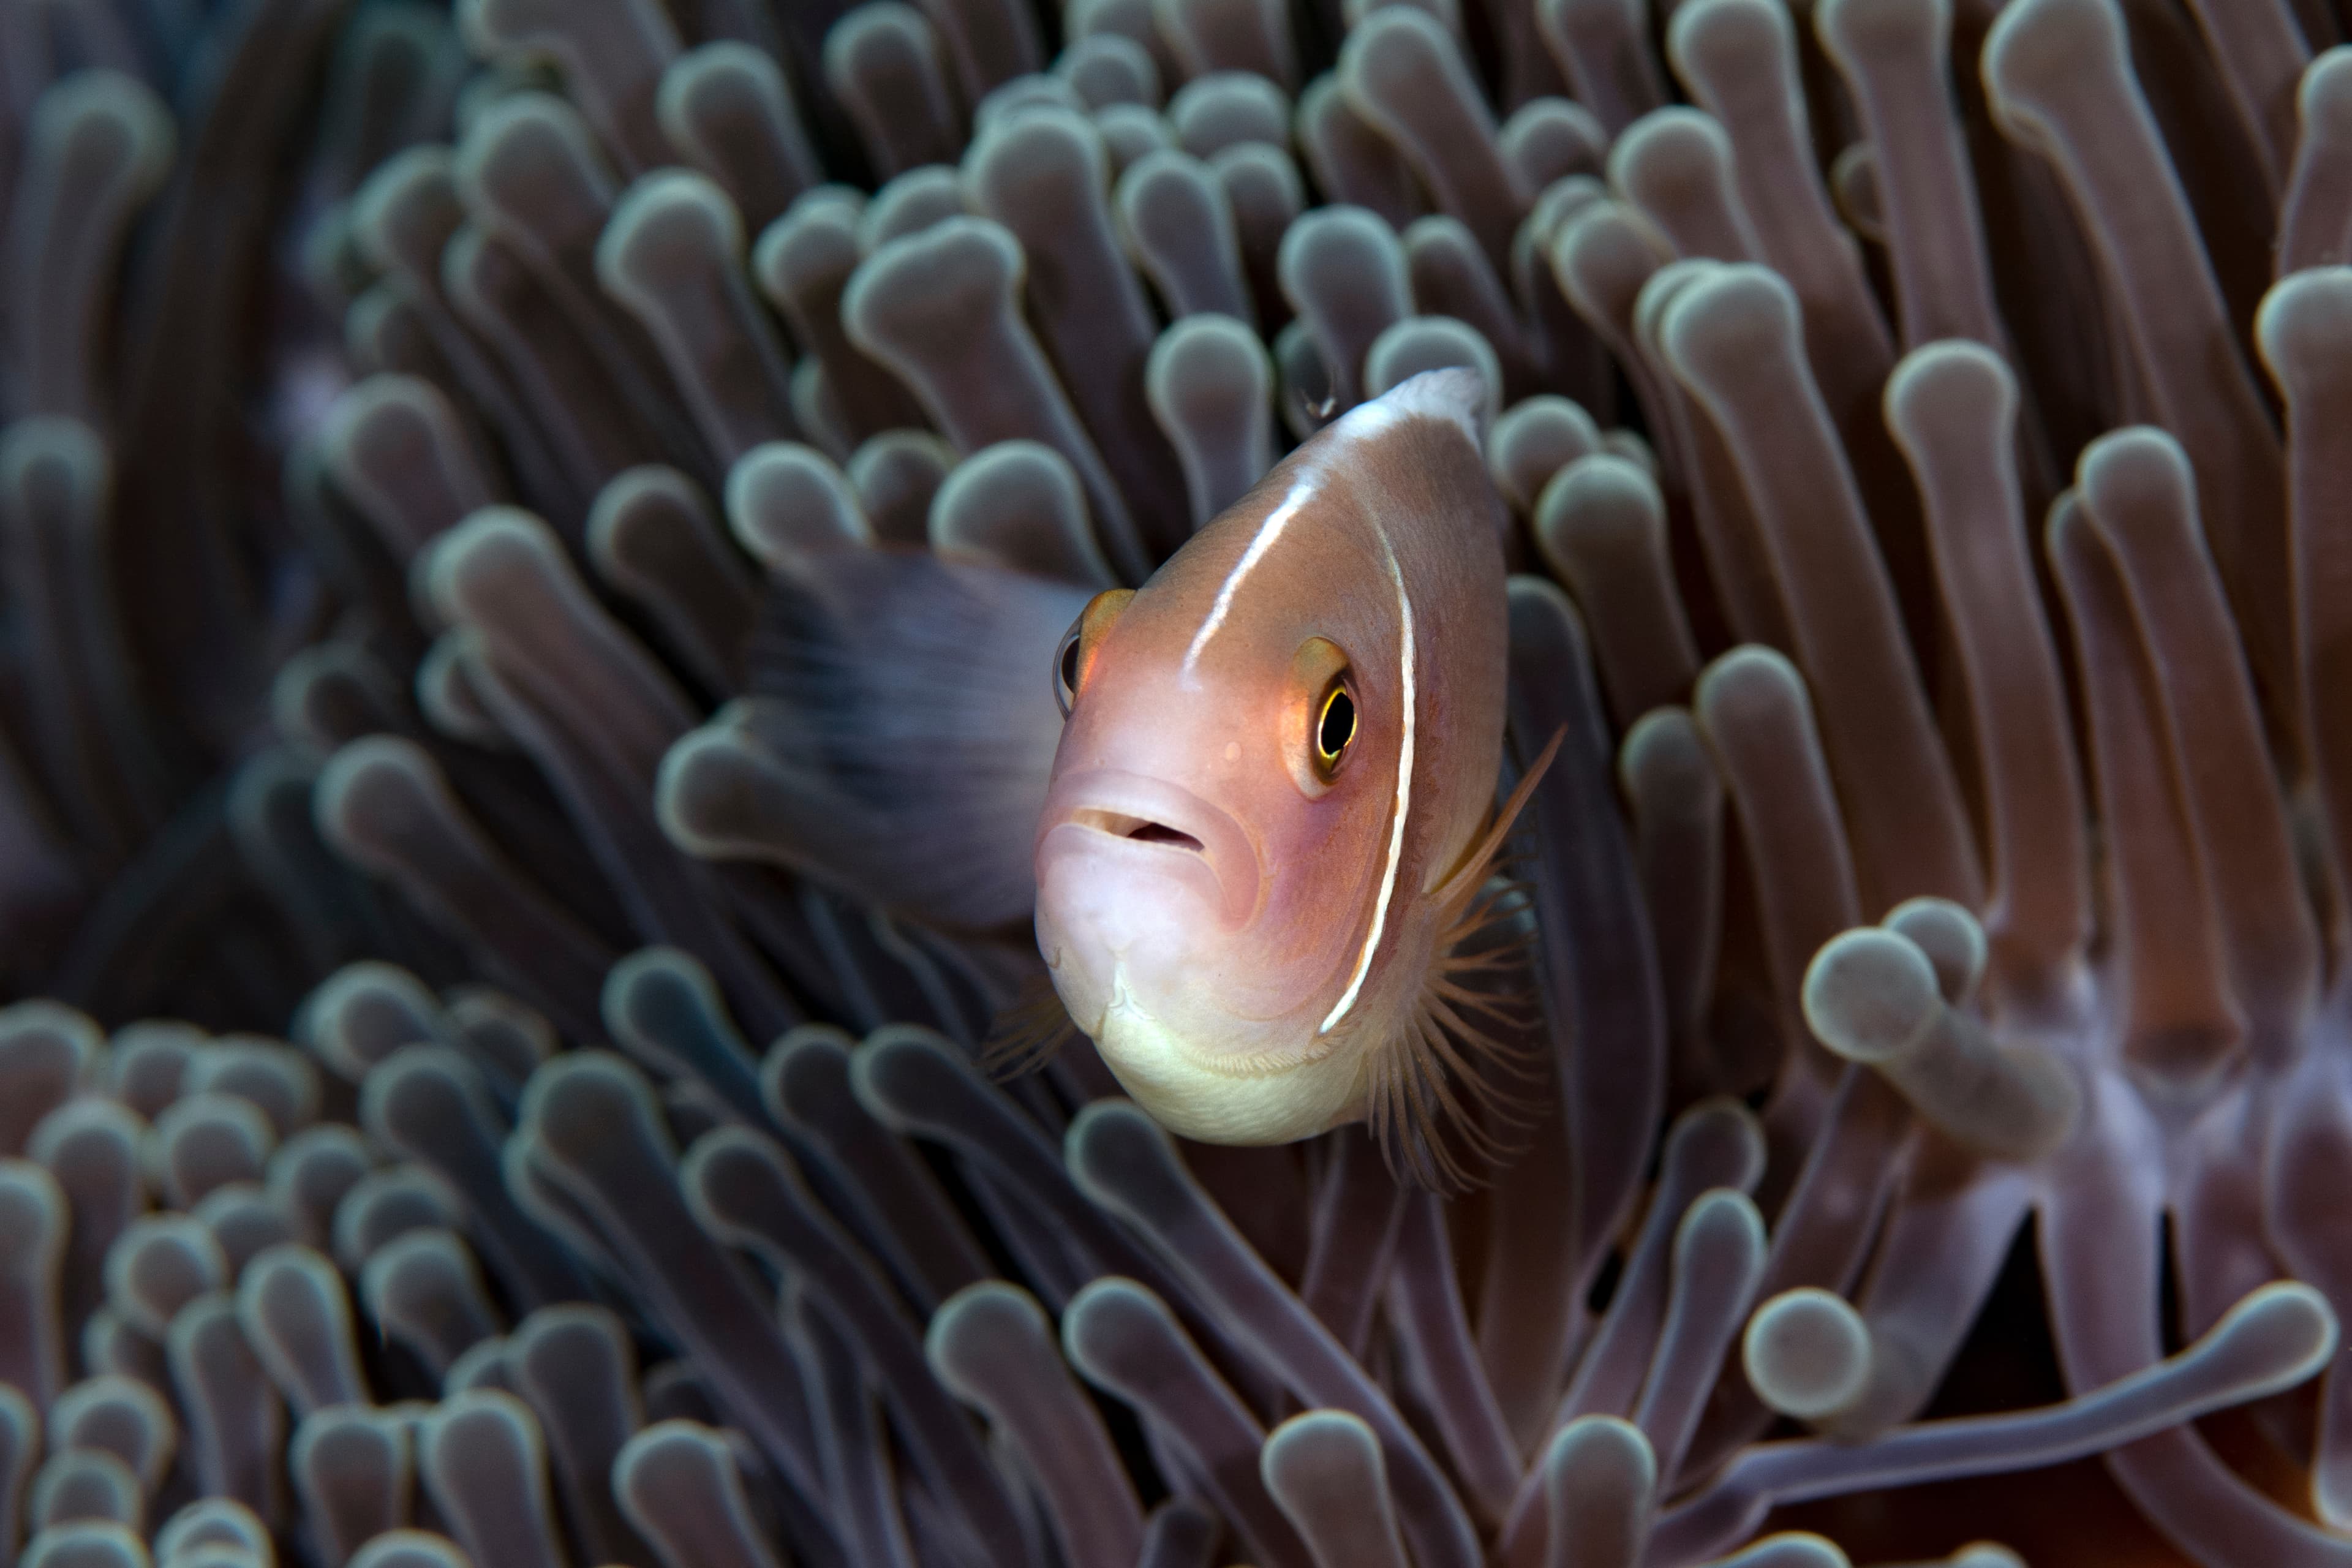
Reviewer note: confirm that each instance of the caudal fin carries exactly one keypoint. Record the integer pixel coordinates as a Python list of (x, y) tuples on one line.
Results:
[(899, 738)]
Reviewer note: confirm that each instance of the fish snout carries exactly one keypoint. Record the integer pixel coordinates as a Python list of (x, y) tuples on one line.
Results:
[(1139, 885), (1134, 832), (1142, 888)]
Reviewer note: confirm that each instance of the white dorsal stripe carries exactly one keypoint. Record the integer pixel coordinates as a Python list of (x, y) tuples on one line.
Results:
[(1268, 532), (1404, 809), (1419, 395)]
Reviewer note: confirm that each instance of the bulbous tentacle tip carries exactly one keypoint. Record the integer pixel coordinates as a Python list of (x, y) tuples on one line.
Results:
[(2305, 327), (88, 1544), (1600, 1485), (1870, 995), (1951, 939), (1323, 1468), (1807, 1353), (216, 1524), (1791, 1549), (1940, 384), (1874, 995), (2278, 1336), (1986, 1554), (411, 1549)]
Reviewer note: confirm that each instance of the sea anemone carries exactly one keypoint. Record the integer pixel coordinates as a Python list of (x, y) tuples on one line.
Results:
[(448, 1121)]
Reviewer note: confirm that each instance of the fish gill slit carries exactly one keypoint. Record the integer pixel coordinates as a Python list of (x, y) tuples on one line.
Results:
[(1402, 809)]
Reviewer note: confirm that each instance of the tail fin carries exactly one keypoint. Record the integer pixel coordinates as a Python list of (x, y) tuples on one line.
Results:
[(907, 704)]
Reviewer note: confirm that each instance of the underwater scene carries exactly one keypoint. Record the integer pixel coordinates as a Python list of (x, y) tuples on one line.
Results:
[(1175, 783)]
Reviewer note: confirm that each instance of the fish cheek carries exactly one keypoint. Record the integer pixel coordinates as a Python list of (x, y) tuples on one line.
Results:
[(1323, 863), (1324, 820)]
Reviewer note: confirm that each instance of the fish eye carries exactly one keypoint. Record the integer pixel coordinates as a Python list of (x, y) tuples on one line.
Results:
[(1335, 727), (1066, 669), (1322, 718), (1074, 655)]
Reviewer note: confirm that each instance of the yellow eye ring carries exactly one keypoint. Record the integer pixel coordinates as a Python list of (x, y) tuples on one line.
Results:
[(1067, 668), (1335, 728), (1074, 655), (1320, 716)]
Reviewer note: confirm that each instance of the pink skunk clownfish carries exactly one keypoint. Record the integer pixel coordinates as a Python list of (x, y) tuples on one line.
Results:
[(1272, 812), (1262, 795)]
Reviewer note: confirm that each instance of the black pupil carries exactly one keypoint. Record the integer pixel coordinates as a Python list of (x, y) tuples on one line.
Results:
[(1338, 723), (1070, 665)]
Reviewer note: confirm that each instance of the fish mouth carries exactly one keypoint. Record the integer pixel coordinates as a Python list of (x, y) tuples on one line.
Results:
[(1137, 829), (1151, 827)]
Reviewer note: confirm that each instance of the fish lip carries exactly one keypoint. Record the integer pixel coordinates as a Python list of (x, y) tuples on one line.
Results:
[(1094, 804)]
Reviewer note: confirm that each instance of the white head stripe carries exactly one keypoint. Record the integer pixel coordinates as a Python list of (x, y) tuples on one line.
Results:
[(1403, 809), (1419, 395), (1267, 532)]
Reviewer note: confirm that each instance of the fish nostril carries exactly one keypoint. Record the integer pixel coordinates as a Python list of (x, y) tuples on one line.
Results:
[(1160, 833)]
